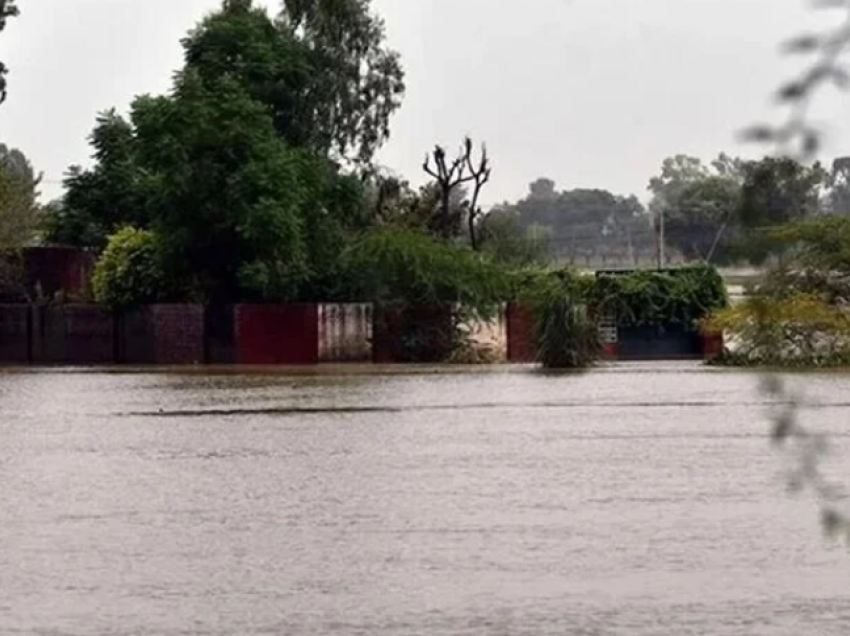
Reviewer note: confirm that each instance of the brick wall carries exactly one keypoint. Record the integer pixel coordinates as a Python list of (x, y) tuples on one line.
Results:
[(15, 325), (522, 345), (277, 334), (162, 334), (219, 334), (412, 333), (73, 334)]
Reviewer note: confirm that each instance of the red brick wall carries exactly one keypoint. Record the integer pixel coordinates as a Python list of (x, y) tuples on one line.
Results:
[(178, 333), (412, 333), (163, 334), (277, 334), (386, 334), (522, 345), (73, 334), (14, 334)]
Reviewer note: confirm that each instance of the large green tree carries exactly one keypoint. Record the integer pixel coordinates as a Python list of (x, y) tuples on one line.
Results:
[(19, 210), (232, 169), (8, 9), (322, 68), (19, 214), (108, 196)]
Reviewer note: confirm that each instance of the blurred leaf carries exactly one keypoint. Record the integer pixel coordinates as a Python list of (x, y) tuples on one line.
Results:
[(802, 44), (783, 427), (832, 522), (758, 133), (792, 91)]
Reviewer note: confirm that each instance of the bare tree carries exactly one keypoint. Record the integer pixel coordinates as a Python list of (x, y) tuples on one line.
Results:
[(451, 175), (480, 173)]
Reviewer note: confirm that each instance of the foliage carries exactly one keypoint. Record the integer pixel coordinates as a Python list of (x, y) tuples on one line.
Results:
[(779, 190), (799, 137), (585, 224), (501, 235), (322, 69), (431, 287), (699, 218), (130, 271), (238, 196), (837, 200), (698, 205), (19, 210), (19, 215), (565, 322), (792, 330), (818, 261), (450, 178), (649, 297), (821, 243), (358, 82), (8, 9), (105, 198), (231, 169), (396, 264)]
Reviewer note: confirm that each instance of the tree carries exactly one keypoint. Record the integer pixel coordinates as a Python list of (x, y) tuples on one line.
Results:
[(358, 81), (19, 213), (130, 271), (696, 204), (838, 187), (501, 235), (698, 219), (19, 210), (778, 190), (109, 196), (322, 69), (585, 223), (449, 179), (228, 169), (227, 190), (8, 9)]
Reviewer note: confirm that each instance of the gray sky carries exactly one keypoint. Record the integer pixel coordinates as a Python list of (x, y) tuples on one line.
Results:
[(591, 93)]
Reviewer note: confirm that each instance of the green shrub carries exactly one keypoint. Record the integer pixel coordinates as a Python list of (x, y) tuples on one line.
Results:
[(682, 296), (565, 323), (129, 272)]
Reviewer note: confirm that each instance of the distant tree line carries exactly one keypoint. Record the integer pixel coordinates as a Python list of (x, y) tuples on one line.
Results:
[(717, 212)]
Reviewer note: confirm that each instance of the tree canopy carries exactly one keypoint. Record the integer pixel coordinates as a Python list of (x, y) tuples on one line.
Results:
[(584, 224), (19, 210), (322, 68), (230, 168)]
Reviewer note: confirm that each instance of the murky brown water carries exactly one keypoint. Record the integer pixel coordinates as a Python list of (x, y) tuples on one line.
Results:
[(637, 500)]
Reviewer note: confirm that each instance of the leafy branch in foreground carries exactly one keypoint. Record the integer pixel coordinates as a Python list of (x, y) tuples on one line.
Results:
[(7, 10), (805, 451), (797, 137)]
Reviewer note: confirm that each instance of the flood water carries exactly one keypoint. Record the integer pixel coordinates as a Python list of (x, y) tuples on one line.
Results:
[(636, 500)]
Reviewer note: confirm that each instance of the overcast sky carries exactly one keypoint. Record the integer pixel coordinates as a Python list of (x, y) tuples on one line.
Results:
[(591, 93)]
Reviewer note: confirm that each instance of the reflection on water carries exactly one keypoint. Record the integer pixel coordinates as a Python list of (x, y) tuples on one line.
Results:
[(637, 499)]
